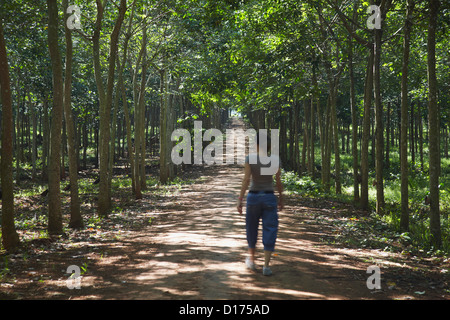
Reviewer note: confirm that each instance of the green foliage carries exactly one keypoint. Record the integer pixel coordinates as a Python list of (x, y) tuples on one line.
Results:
[(304, 185)]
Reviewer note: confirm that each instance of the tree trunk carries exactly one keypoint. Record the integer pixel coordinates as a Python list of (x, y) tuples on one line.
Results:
[(112, 147), (411, 135), (105, 100), (305, 138), (34, 144), (433, 126), (404, 219), (388, 134), (326, 162), (296, 140), (366, 132), (334, 128), (54, 192), (379, 145), (131, 158), (76, 221), (354, 112), (420, 135), (312, 135), (166, 166), (140, 121), (121, 67), (320, 125), (163, 141), (10, 238), (19, 145)]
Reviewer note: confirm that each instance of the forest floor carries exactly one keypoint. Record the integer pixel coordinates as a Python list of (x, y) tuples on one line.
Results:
[(190, 244)]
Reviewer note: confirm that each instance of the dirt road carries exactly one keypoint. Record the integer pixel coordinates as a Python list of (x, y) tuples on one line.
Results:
[(195, 249)]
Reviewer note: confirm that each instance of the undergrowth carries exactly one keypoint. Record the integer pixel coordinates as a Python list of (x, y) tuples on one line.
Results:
[(383, 231)]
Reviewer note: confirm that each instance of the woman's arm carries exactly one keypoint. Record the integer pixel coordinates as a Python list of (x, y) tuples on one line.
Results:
[(280, 190), (245, 183)]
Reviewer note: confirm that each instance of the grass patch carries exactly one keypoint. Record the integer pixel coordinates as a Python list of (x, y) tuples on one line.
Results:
[(384, 231)]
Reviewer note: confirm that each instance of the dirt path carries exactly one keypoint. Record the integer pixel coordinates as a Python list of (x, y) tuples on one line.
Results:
[(195, 249), (198, 251)]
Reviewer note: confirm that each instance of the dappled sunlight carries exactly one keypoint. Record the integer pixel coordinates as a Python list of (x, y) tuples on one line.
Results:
[(288, 293), (195, 248), (199, 253)]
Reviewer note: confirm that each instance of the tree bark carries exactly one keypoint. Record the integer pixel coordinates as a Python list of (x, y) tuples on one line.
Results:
[(354, 112), (105, 99), (312, 135), (45, 139), (366, 132), (334, 128), (10, 238), (76, 221), (433, 126), (140, 118), (54, 192), (404, 218), (379, 144)]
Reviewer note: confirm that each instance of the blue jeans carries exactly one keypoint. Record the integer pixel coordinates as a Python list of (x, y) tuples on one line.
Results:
[(262, 206)]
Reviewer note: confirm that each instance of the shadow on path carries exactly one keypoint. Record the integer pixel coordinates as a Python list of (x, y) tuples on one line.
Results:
[(196, 247), (197, 251)]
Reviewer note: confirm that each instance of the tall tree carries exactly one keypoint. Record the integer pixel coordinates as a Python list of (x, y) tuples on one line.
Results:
[(10, 238), (105, 97), (354, 112), (433, 125), (54, 192), (384, 6), (368, 85), (404, 221), (76, 220)]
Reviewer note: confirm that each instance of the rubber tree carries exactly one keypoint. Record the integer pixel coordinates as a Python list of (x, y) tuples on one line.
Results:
[(10, 238), (404, 220), (433, 125), (54, 192), (105, 94), (76, 220)]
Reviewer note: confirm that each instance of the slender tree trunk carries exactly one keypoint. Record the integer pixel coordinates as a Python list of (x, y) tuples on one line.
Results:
[(140, 121), (433, 126), (85, 143), (54, 168), (105, 99), (388, 134), (296, 133), (366, 132), (166, 170), (305, 138), (34, 145), (131, 158), (112, 147), (337, 157), (19, 145), (121, 67), (320, 125), (411, 135), (420, 135), (45, 139), (10, 238), (379, 145), (163, 162), (404, 219), (312, 136), (76, 221), (326, 163)]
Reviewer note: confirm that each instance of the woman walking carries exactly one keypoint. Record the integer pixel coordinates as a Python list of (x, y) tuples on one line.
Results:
[(261, 205)]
